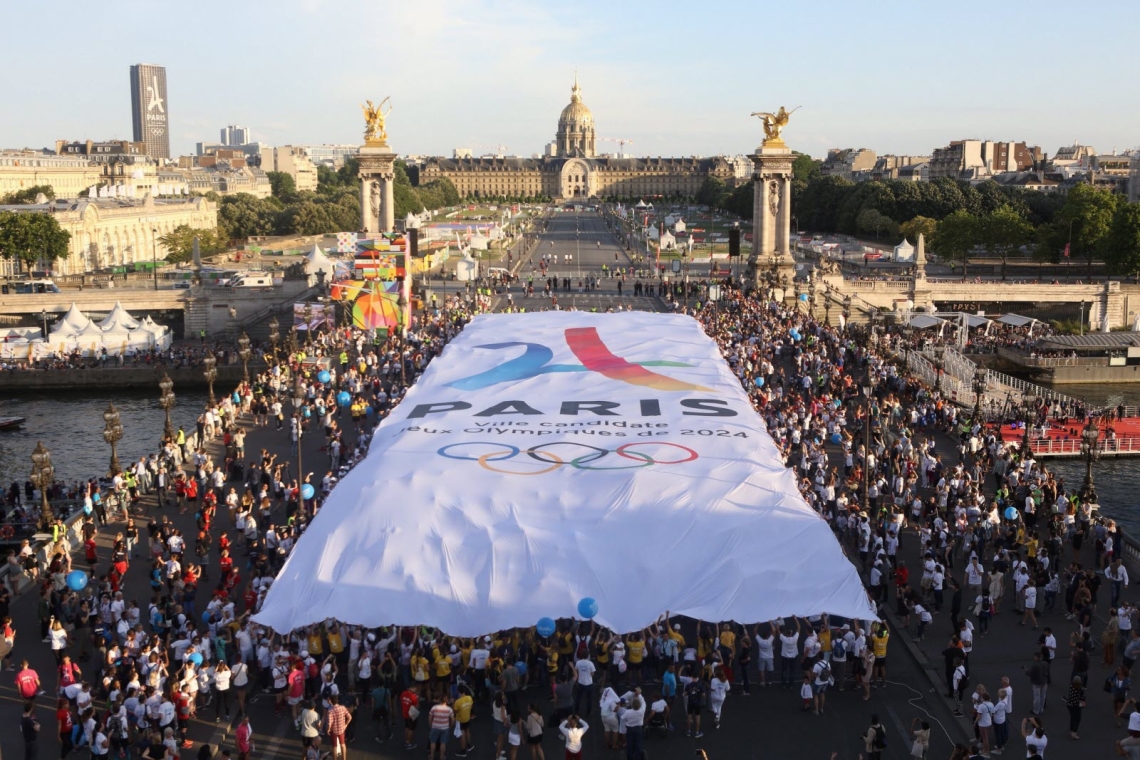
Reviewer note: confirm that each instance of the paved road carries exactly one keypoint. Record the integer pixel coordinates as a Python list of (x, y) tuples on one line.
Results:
[(769, 723)]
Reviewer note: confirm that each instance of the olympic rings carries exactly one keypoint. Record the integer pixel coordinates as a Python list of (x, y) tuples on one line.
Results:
[(7, 531), (542, 453)]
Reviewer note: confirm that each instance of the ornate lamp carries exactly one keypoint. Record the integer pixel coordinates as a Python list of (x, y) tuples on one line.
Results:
[(43, 475), (112, 434), (210, 362), (166, 401), (244, 353)]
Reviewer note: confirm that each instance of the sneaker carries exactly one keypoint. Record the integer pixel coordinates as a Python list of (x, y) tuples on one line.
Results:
[(698, 735), (957, 713)]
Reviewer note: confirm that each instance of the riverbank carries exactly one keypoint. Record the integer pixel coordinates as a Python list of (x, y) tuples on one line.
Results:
[(115, 378)]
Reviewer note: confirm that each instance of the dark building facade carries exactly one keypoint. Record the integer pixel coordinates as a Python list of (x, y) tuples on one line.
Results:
[(150, 117)]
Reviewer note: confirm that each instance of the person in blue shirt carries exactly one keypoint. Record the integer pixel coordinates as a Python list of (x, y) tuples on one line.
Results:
[(669, 686)]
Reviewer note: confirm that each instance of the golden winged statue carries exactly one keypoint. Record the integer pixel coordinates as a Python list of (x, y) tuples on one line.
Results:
[(774, 123), (374, 115)]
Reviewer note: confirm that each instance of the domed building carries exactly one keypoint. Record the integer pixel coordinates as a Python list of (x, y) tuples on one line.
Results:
[(572, 169), (575, 136)]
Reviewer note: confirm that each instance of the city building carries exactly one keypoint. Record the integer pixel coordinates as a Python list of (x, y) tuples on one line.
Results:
[(108, 232), (571, 168), (888, 166), (291, 160), (234, 135), (914, 172), (329, 154), (1073, 155), (66, 175), (979, 160), (847, 162), (149, 116), (105, 152)]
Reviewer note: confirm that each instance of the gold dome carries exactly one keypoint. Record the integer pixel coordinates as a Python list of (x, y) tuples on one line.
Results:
[(576, 113)]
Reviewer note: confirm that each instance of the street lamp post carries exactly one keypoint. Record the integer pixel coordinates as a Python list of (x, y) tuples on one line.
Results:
[(274, 336), (939, 362), (210, 362), (43, 475), (979, 391), (1029, 404), (1089, 438), (298, 404), (867, 445), (154, 255), (244, 353), (112, 434), (714, 296), (846, 311), (166, 401), (307, 312)]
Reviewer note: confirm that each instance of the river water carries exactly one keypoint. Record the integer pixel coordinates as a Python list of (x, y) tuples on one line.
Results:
[(71, 427)]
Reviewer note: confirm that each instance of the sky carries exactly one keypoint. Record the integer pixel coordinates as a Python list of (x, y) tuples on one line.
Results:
[(675, 78)]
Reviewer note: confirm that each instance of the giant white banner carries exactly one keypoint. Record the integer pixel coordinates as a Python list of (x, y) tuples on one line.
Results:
[(553, 456)]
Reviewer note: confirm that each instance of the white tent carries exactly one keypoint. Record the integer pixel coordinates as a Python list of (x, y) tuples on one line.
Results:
[(1015, 320), (478, 241), (679, 226), (118, 320), (668, 241), (904, 251), (924, 321), (667, 495), (316, 261), (73, 321)]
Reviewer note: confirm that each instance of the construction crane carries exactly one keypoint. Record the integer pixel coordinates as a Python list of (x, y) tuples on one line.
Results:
[(621, 141)]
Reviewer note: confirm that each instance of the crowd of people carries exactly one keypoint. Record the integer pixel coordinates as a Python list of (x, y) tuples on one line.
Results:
[(131, 674)]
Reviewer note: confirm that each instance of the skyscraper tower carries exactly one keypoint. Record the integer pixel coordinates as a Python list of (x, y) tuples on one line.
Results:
[(149, 115)]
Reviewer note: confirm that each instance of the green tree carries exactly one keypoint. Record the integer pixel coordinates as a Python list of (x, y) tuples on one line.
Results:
[(1088, 212), (28, 195), (179, 242), (712, 193), (956, 236), (29, 237), (871, 220), (242, 215), (1122, 250), (919, 225), (305, 218), (1002, 232), (283, 185)]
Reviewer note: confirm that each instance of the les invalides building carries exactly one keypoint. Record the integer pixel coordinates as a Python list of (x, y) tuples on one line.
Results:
[(572, 169)]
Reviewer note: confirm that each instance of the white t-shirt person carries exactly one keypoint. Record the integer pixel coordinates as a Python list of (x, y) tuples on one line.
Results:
[(789, 645), (586, 671)]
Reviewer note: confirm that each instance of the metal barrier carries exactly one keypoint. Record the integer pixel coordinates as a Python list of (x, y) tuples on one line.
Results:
[(1071, 447)]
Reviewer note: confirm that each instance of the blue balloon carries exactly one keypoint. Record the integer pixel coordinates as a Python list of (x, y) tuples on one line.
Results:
[(344, 398), (196, 658), (206, 616), (369, 411), (836, 438), (803, 296), (1010, 513), (545, 627), (759, 382), (77, 580), (324, 377), (307, 491), (521, 667), (588, 607)]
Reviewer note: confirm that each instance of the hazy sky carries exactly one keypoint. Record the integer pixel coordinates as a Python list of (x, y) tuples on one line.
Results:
[(676, 78)]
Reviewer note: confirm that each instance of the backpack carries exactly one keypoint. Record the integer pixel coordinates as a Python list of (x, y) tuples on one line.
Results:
[(583, 650), (880, 740), (825, 672), (839, 649)]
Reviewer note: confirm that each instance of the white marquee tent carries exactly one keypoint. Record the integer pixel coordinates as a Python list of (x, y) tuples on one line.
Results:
[(517, 478), (118, 333)]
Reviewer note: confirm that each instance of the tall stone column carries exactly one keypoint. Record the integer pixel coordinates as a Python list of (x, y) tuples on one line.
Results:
[(377, 178), (771, 214)]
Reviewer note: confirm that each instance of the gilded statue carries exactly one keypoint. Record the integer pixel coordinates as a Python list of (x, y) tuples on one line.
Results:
[(774, 123), (374, 116)]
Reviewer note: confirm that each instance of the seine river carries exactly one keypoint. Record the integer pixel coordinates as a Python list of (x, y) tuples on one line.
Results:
[(71, 426)]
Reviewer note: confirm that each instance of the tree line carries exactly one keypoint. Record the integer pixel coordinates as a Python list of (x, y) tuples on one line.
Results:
[(959, 220)]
